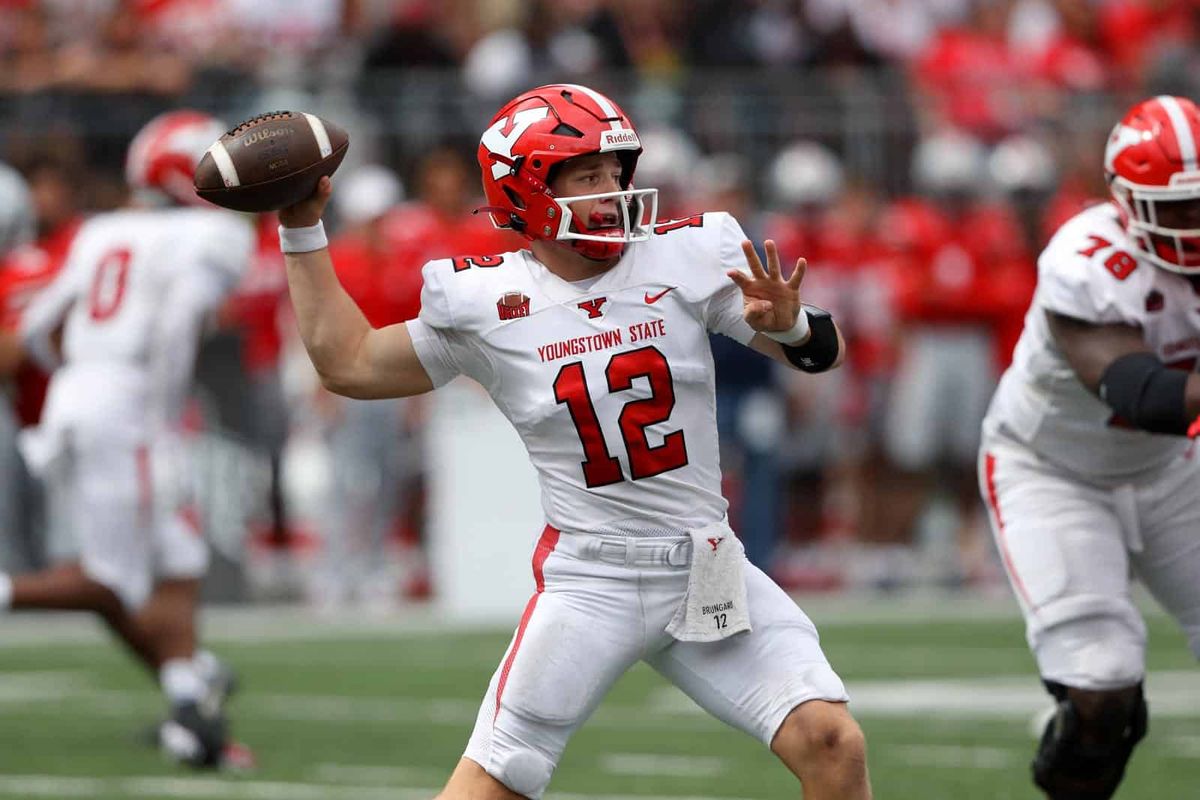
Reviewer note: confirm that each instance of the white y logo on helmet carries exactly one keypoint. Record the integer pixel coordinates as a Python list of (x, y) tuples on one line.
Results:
[(1122, 137), (502, 144)]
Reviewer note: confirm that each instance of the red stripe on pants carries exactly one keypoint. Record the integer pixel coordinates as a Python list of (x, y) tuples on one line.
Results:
[(545, 547), (994, 505)]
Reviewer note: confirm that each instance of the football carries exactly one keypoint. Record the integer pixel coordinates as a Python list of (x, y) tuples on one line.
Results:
[(270, 161)]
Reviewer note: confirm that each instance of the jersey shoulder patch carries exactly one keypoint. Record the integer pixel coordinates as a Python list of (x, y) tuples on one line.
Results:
[(456, 288), (1091, 271)]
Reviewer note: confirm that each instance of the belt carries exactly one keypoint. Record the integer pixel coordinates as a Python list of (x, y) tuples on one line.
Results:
[(629, 551)]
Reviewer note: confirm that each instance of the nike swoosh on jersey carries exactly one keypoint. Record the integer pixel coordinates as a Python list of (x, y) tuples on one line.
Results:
[(652, 299)]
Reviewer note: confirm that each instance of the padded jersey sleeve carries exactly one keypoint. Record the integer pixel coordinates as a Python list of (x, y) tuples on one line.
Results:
[(445, 350), (723, 308), (1086, 276)]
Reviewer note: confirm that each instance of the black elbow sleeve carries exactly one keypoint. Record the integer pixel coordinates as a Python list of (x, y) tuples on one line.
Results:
[(820, 352), (1146, 394)]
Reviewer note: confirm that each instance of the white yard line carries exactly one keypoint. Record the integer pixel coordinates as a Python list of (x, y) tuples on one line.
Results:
[(374, 774), (954, 756), (35, 686), (663, 765), (240, 789), (1173, 694)]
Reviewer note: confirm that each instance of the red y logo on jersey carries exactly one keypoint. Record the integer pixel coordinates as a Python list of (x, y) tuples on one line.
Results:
[(715, 541), (651, 299), (593, 306)]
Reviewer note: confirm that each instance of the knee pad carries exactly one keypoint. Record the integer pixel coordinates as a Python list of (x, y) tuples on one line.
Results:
[(525, 772), (1082, 759)]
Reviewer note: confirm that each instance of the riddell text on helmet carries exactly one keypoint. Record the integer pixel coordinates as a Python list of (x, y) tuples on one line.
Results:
[(624, 139)]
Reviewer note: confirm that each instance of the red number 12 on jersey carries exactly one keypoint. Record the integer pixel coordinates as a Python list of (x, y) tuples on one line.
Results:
[(600, 467)]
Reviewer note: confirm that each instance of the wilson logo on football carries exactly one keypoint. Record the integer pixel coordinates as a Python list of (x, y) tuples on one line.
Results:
[(512, 305)]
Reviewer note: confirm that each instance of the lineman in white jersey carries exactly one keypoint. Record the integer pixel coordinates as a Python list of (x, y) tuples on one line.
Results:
[(1088, 461), (594, 345), (131, 301)]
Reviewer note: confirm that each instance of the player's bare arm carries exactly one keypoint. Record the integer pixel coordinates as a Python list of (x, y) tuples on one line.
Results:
[(352, 358), (772, 306), (1111, 360)]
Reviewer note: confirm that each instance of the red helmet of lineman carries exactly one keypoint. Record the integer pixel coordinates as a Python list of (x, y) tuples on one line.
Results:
[(526, 142), (1152, 169), (164, 154)]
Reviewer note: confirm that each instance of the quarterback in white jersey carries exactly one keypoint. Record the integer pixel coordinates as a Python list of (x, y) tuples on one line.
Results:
[(1088, 460), (131, 301), (594, 345)]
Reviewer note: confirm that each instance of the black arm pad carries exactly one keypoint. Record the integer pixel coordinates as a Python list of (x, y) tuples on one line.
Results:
[(821, 350), (1146, 394)]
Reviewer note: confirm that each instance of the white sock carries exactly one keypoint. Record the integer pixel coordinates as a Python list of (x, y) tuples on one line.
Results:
[(5, 591), (180, 681), (206, 664)]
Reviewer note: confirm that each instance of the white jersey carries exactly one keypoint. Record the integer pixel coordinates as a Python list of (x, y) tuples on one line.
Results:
[(1091, 271), (611, 387), (131, 299)]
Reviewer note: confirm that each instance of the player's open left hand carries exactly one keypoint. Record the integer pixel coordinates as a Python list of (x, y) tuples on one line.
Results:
[(308, 211), (770, 302)]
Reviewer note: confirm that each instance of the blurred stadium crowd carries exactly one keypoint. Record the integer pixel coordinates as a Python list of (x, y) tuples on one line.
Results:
[(917, 152)]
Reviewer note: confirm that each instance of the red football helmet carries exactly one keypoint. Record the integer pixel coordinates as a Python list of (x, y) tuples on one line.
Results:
[(530, 137), (164, 154), (1151, 165)]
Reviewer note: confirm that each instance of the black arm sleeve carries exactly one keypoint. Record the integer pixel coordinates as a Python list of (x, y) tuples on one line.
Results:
[(820, 352), (1146, 394)]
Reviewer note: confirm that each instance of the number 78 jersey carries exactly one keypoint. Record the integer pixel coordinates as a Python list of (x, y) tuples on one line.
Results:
[(1090, 271), (610, 383)]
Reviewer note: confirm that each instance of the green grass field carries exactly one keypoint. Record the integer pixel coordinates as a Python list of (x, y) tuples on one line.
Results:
[(364, 710)]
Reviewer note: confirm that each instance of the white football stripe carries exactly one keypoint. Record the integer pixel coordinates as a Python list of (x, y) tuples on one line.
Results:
[(320, 134), (224, 164), (602, 101), (1183, 131)]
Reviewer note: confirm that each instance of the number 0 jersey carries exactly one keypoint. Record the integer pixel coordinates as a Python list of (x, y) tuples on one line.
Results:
[(1090, 271), (131, 299), (611, 387)]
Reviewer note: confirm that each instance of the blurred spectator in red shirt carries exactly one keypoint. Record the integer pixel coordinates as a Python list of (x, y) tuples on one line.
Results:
[(43, 207), (833, 435), (378, 257), (970, 77), (361, 251), (961, 275), (1081, 185), (439, 224), (28, 269), (1136, 34)]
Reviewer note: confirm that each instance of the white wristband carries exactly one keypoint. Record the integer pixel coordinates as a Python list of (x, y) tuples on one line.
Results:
[(795, 334), (303, 240)]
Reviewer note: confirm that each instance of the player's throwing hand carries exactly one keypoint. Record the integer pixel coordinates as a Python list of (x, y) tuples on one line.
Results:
[(770, 302)]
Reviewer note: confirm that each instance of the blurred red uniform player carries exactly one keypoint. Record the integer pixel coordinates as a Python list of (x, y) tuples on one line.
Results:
[(834, 224), (968, 269), (969, 73), (380, 264), (379, 254), (28, 269)]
